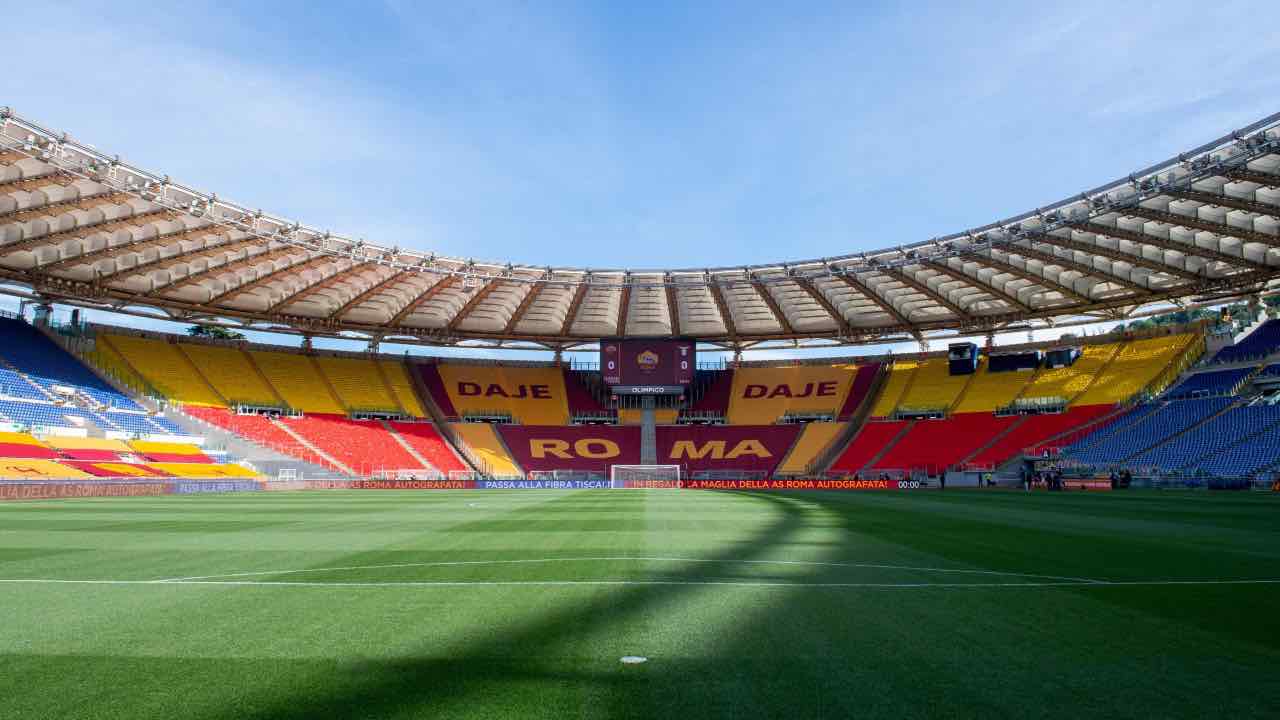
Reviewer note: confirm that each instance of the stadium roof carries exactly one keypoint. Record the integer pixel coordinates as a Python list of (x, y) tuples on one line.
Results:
[(82, 227)]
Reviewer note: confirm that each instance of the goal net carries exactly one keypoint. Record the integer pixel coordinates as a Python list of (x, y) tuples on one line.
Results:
[(644, 476)]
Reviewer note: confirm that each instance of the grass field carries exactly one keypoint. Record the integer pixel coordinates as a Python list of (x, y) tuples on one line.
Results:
[(471, 604)]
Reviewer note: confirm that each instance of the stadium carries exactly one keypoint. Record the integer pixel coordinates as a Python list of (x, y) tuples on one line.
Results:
[(1025, 469)]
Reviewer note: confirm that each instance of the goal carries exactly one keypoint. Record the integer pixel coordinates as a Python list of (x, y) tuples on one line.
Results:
[(644, 476)]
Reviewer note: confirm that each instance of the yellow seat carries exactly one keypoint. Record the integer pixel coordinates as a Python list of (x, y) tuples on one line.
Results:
[(762, 396), (357, 383), (1067, 382), (989, 391), (487, 448), (297, 381), (165, 368), (37, 470), (204, 470), (398, 377), (813, 440), (1135, 366), (900, 374), (933, 386), (530, 395), (229, 371)]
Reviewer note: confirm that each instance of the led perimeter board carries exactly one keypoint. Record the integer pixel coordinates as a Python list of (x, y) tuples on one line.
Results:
[(647, 367)]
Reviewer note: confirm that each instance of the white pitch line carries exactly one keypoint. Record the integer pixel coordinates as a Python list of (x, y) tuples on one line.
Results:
[(525, 561), (570, 583)]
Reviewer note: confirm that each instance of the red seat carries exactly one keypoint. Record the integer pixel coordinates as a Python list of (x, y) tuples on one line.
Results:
[(424, 438), (869, 441)]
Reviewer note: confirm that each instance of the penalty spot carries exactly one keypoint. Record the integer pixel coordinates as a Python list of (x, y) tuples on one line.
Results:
[(633, 659)]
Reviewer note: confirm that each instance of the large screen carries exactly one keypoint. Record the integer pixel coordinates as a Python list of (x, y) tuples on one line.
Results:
[(647, 363)]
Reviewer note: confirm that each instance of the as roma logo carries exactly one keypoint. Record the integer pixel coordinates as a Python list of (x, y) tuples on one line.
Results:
[(647, 360)]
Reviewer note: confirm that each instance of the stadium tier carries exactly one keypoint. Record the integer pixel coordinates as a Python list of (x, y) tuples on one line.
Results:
[(365, 415), (1262, 342)]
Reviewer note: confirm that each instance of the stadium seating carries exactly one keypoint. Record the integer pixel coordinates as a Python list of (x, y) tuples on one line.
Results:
[(708, 448), (425, 439), (1261, 342), (1253, 454), (29, 351), (1172, 418), (529, 395), (203, 470), (358, 383), (1034, 430), (22, 445), (364, 446), (297, 380), (1067, 382), (901, 373), (1218, 382), (933, 386), (15, 386), (1134, 368), (814, 439), (402, 388), (165, 367), (863, 379), (106, 468), (762, 396), (259, 429), (429, 374), (579, 397), (581, 448), (170, 452), (38, 470), (989, 391), (873, 438), (717, 388), (95, 449), (231, 374), (1212, 437), (487, 448), (1117, 424), (1271, 370), (935, 445)]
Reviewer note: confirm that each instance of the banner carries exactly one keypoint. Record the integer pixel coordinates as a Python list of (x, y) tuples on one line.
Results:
[(413, 485), (801, 484), (50, 490), (542, 484), (187, 487)]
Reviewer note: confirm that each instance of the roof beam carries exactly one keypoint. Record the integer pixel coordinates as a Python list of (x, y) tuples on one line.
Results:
[(196, 277), (1164, 243), (108, 252), (1044, 282), (1245, 174), (243, 288), (807, 285), (1228, 201), (1196, 223), (1072, 264), (525, 303), (769, 300), (471, 304), (624, 304), (673, 307), (180, 258), (862, 288), (923, 288), (374, 289), (574, 306), (81, 232), (62, 207), (1117, 254), (322, 284), (717, 294), (440, 285), (988, 288)]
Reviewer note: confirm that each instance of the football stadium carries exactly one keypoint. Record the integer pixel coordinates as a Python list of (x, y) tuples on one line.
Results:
[(254, 468)]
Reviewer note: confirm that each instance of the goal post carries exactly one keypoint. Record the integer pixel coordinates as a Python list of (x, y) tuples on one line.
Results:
[(622, 477)]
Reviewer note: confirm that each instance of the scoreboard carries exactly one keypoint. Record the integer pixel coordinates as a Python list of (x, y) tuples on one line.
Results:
[(647, 367)]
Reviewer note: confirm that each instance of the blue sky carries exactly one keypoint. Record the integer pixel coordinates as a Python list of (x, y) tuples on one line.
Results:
[(642, 134)]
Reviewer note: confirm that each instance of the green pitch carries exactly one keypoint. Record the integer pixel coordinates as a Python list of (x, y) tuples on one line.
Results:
[(493, 604)]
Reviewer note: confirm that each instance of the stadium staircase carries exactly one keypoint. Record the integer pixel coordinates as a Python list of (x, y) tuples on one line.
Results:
[(413, 452), (319, 452), (442, 424), (995, 441), (267, 460), (648, 434), (854, 425), (888, 447)]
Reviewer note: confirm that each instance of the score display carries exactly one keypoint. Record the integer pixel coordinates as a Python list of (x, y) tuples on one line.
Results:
[(647, 366)]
